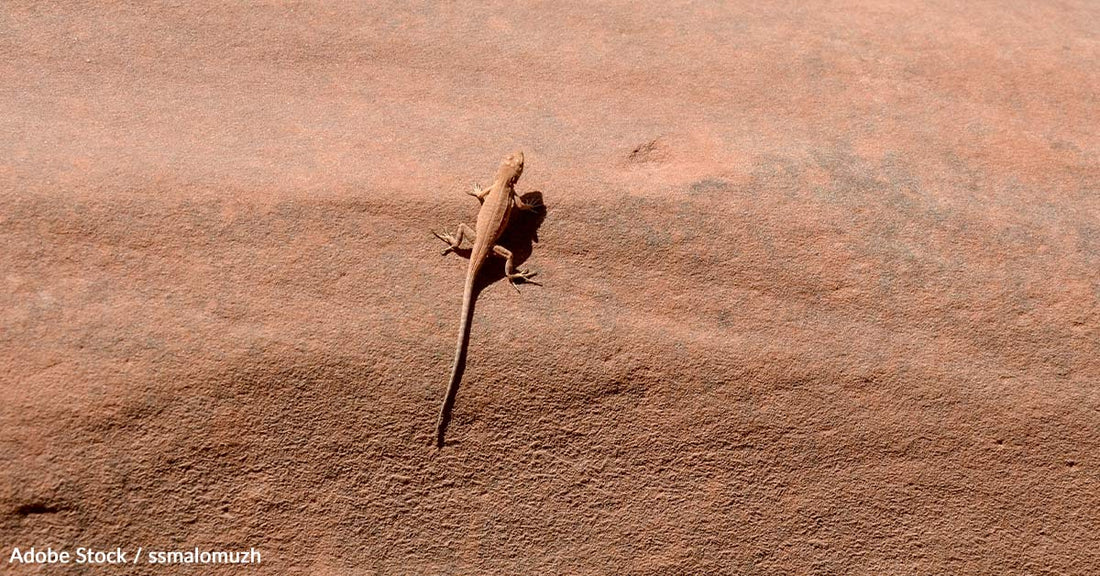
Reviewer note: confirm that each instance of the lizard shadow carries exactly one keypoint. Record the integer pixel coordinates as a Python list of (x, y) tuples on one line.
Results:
[(519, 237)]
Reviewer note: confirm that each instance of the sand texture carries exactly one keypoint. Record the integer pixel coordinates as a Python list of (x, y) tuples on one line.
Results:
[(820, 286)]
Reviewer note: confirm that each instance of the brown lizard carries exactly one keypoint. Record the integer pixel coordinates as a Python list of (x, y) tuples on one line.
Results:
[(497, 202)]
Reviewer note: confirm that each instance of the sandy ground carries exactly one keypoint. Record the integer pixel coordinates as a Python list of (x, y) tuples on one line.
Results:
[(820, 286)]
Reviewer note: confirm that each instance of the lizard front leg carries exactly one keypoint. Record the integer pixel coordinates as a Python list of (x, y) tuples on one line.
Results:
[(510, 268), (520, 204), (479, 193), (455, 241)]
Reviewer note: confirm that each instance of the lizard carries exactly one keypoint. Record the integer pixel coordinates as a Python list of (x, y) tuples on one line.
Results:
[(497, 202)]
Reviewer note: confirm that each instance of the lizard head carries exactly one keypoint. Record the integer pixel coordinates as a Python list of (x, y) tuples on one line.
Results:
[(511, 167)]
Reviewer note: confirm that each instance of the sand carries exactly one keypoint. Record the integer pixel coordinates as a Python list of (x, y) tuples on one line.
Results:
[(820, 286)]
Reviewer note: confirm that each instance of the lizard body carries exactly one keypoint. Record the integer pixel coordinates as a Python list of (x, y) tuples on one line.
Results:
[(497, 203)]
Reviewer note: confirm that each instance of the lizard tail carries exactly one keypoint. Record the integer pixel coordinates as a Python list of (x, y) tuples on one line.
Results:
[(459, 365)]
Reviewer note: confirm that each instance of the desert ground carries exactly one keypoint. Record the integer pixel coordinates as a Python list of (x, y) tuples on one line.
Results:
[(819, 286)]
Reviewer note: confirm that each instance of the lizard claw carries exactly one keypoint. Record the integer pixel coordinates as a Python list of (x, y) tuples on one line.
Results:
[(448, 238), (524, 275)]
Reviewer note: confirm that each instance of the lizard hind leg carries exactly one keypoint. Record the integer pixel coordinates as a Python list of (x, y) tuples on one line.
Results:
[(510, 268), (454, 241)]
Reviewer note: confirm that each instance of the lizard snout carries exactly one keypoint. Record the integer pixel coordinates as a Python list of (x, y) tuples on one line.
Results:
[(511, 167)]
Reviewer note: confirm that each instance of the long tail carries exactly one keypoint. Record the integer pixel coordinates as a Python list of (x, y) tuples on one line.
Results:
[(460, 357)]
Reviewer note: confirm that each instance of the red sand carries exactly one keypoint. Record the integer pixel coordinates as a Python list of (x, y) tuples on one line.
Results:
[(821, 286)]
